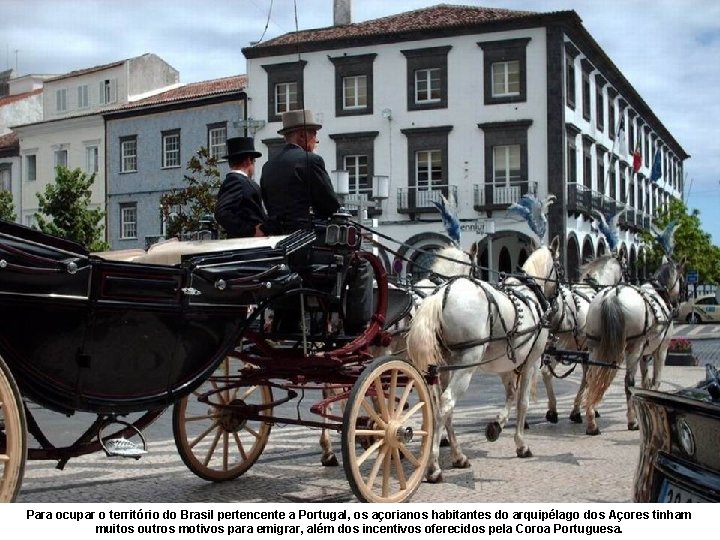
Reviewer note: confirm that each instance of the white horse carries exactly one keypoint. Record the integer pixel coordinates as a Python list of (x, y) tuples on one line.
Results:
[(470, 324), (450, 262), (568, 321), (626, 323)]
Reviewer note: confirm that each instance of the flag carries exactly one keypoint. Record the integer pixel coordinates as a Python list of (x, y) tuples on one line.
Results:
[(621, 138), (637, 160), (655, 174)]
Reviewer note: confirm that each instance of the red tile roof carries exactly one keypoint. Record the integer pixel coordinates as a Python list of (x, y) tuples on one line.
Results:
[(435, 17), (87, 70), (17, 97), (9, 140), (191, 91)]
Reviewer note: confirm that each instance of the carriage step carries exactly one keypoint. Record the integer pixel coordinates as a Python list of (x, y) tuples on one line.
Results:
[(123, 448)]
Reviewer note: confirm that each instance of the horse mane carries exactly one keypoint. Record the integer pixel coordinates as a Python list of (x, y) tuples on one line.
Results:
[(596, 265), (536, 263), (458, 266)]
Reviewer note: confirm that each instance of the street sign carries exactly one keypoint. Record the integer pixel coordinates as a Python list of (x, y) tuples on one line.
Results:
[(692, 276), (485, 226)]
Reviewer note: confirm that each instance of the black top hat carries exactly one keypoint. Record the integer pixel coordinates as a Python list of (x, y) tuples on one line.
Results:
[(241, 146)]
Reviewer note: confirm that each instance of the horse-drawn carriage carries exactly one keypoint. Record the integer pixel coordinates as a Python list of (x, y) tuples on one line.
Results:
[(186, 324)]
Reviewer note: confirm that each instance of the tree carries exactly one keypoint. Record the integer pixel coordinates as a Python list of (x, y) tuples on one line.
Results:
[(184, 208), (691, 242), (64, 210), (7, 210)]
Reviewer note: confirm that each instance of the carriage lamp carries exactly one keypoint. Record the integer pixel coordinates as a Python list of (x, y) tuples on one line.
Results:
[(381, 187), (341, 182)]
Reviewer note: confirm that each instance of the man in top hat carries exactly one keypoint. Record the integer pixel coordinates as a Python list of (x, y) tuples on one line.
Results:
[(239, 209), (295, 185)]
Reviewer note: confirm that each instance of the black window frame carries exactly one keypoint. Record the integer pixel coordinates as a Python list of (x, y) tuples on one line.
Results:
[(353, 66), (505, 134), (426, 139), (426, 58), (587, 68), (285, 72), (505, 50), (571, 54)]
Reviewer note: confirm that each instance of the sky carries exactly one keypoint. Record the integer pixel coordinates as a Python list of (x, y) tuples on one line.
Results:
[(669, 50)]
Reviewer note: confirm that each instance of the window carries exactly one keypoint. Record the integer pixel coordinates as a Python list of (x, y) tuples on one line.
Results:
[(357, 166), (570, 54), (506, 165), (586, 69), (355, 92), (427, 85), (108, 91), (599, 103), (217, 135), (353, 84), (600, 158), (504, 70), (587, 165), (5, 179), (171, 149), (506, 79), (285, 88), (428, 169), (128, 154), (128, 221), (427, 165), (286, 97), (611, 118), (91, 159), (31, 168), (61, 158), (571, 158), (61, 100), (427, 78), (82, 96)]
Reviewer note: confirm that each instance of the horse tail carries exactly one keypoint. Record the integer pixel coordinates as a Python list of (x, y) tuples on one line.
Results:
[(423, 342), (610, 349)]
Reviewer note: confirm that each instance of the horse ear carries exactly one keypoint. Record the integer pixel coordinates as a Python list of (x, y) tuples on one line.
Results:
[(555, 246)]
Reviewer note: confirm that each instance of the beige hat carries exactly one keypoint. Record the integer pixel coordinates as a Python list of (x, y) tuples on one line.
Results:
[(293, 120)]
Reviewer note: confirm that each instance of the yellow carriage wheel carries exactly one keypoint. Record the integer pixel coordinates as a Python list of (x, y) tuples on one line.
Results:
[(13, 436), (219, 443), (387, 431)]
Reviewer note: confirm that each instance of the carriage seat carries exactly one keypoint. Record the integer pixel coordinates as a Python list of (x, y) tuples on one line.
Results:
[(171, 252)]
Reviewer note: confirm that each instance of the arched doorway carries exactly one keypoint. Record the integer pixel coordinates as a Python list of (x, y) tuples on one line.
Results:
[(505, 261), (632, 265), (601, 250), (522, 257), (573, 260), (588, 251), (483, 262)]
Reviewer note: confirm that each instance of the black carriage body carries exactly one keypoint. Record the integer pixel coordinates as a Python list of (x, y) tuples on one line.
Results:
[(81, 333)]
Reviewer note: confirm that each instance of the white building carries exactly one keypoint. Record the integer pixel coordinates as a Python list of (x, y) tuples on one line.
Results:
[(72, 130), (483, 103)]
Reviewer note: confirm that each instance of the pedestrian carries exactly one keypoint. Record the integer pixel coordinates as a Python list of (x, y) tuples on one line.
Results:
[(295, 185), (239, 209)]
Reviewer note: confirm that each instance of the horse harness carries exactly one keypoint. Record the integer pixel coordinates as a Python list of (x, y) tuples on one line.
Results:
[(516, 298)]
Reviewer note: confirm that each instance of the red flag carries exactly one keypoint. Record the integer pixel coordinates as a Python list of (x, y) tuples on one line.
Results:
[(637, 160)]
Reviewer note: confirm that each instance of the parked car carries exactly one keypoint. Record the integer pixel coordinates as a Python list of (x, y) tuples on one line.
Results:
[(701, 309), (680, 436)]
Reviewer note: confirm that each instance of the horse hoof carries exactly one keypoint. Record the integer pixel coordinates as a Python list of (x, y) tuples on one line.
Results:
[(552, 417), (492, 431), (633, 426), (444, 443), (462, 463), (576, 418), (593, 432), (435, 477), (523, 453), (329, 461)]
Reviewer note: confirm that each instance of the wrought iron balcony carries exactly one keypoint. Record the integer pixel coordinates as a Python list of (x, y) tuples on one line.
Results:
[(579, 199), (419, 200), (492, 197)]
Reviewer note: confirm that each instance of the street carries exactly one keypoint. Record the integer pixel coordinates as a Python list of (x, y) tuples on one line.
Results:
[(567, 465)]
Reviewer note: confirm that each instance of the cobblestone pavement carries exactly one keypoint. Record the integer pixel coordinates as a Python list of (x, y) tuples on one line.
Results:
[(567, 465)]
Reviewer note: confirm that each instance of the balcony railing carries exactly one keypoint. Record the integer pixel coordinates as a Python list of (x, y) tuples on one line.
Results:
[(489, 196), (414, 200)]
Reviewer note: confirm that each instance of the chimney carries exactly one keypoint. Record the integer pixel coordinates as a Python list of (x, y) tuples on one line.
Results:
[(341, 12)]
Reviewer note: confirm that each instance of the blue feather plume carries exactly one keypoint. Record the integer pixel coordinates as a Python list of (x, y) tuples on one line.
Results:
[(607, 225), (448, 212), (666, 238), (532, 210)]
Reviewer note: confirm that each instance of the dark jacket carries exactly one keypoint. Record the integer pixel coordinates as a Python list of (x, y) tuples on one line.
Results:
[(292, 182), (239, 206)]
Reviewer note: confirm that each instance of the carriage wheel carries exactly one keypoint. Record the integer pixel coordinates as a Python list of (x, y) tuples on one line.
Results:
[(387, 431), (219, 444), (13, 436)]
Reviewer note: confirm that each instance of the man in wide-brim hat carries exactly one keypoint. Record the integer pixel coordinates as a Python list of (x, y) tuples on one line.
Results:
[(239, 208), (295, 185)]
